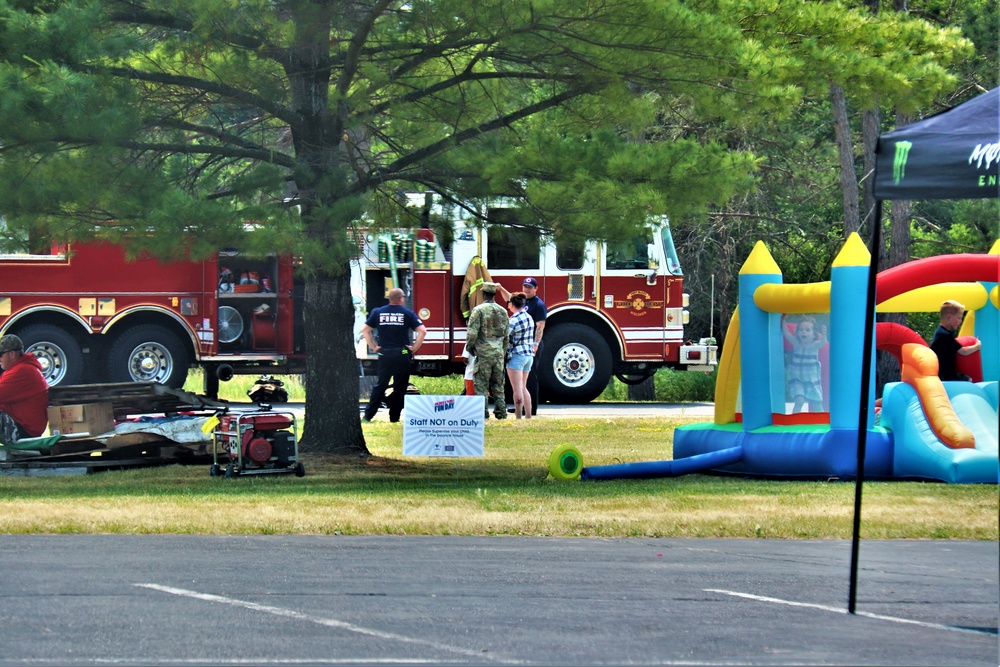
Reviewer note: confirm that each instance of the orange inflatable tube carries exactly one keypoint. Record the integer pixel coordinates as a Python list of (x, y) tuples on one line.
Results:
[(920, 369)]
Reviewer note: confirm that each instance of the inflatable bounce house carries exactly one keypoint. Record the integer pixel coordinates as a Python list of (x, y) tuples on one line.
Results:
[(787, 397)]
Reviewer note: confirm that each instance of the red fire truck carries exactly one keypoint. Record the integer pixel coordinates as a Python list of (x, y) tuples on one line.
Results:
[(90, 315)]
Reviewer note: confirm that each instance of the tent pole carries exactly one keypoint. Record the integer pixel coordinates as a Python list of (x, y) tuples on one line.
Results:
[(866, 366)]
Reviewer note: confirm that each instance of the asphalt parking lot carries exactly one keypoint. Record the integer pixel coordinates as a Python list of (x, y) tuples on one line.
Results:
[(324, 600)]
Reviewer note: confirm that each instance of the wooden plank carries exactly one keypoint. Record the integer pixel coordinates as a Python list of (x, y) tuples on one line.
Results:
[(135, 398)]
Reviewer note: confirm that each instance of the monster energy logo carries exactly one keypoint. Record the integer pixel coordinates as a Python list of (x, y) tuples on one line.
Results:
[(899, 161)]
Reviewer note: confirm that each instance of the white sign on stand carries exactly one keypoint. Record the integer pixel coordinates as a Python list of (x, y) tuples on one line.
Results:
[(443, 425)]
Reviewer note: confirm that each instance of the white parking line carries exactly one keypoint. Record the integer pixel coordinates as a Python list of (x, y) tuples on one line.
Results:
[(838, 610), (235, 662), (328, 622)]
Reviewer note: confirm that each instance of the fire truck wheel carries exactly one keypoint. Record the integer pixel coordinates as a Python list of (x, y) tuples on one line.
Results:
[(57, 351), (575, 365), (148, 353)]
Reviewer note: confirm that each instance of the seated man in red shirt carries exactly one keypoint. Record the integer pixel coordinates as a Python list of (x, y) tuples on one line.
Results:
[(24, 393)]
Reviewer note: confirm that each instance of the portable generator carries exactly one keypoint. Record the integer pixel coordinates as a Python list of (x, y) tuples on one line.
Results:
[(256, 443)]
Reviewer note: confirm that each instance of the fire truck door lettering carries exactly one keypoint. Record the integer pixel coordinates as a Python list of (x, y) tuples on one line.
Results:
[(639, 303)]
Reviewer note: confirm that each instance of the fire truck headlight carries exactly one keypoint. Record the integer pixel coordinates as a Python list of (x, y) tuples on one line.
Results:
[(685, 300), (685, 316)]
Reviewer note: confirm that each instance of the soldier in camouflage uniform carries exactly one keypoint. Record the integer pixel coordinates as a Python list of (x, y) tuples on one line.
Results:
[(486, 337)]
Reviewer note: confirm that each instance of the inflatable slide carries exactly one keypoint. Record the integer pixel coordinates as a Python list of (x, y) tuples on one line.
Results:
[(941, 430)]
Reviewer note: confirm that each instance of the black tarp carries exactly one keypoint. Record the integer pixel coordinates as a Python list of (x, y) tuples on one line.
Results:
[(952, 155)]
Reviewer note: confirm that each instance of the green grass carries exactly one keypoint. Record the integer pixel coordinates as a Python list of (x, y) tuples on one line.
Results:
[(504, 493)]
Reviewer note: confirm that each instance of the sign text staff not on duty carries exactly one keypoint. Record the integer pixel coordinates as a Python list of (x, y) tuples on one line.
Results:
[(443, 425)]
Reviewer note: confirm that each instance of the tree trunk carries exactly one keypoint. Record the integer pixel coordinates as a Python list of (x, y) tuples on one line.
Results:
[(869, 138), (898, 252), (845, 148), (644, 391), (333, 418)]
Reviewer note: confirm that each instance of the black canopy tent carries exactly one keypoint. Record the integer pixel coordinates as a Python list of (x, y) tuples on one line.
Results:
[(952, 155)]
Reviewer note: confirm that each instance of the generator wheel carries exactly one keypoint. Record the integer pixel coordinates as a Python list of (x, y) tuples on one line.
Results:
[(300, 470), (230, 471), (214, 470), (565, 462)]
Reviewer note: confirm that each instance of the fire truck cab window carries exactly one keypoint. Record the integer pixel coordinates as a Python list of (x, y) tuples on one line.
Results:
[(569, 253), (673, 265), (510, 247), (632, 254)]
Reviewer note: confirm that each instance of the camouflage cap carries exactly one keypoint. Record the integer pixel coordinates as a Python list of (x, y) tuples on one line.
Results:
[(489, 288), (10, 342)]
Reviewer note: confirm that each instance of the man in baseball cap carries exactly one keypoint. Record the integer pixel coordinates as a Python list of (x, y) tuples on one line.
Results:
[(9, 343), (24, 393)]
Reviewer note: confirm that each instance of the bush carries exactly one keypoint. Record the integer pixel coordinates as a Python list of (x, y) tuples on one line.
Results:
[(448, 385), (670, 386)]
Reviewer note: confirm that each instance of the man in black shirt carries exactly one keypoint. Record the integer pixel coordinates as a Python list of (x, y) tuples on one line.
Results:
[(394, 323)]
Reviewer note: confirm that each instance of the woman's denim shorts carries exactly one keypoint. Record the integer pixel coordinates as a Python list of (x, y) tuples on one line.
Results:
[(520, 362)]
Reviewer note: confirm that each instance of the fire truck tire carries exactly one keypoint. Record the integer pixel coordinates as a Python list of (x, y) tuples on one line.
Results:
[(575, 365), (148, 353), (57, 351)]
